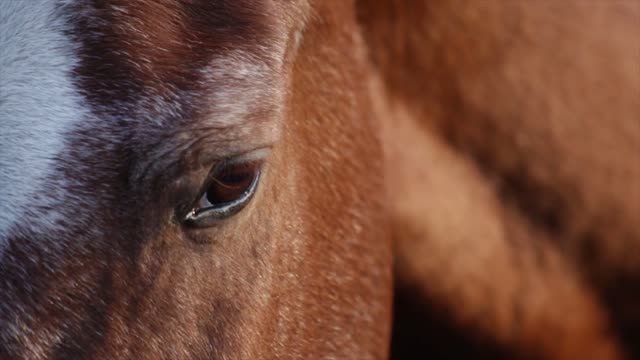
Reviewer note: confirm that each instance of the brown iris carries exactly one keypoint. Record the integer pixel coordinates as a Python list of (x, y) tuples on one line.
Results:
[(229, 188), (231, 181)]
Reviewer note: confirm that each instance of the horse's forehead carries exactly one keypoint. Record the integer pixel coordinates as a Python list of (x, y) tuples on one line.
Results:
[(38, 102), (65, 65)]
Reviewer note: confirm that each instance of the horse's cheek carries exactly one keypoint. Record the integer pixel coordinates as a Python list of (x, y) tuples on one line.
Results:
[(332, 248)]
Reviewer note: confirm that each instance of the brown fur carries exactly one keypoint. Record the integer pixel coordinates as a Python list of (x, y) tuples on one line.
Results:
[(488, 145), (303, 272), (511, 133)]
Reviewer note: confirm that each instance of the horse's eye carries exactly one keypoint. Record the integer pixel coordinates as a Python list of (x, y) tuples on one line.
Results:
[(229, 188)]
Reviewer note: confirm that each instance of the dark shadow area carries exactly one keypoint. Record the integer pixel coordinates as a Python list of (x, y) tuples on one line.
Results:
[(419, 332)]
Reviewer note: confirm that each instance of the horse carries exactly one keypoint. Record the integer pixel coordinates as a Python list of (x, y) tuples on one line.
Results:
[(200, 188), (318, 179), (511, 139)]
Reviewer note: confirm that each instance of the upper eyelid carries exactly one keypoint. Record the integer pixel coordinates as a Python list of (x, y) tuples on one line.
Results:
[(190, 156), (255, 154), (252, 155)]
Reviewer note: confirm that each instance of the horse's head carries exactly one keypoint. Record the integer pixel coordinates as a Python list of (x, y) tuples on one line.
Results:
[(179, 179)]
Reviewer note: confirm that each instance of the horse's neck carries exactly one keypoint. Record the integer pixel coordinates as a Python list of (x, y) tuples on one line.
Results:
[(495, 131)]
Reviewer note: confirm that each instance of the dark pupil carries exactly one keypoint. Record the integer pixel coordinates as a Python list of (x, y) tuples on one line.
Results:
[(231, 182)]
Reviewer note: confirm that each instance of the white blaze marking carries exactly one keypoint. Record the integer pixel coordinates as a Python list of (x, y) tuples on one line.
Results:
[(38, 104)]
